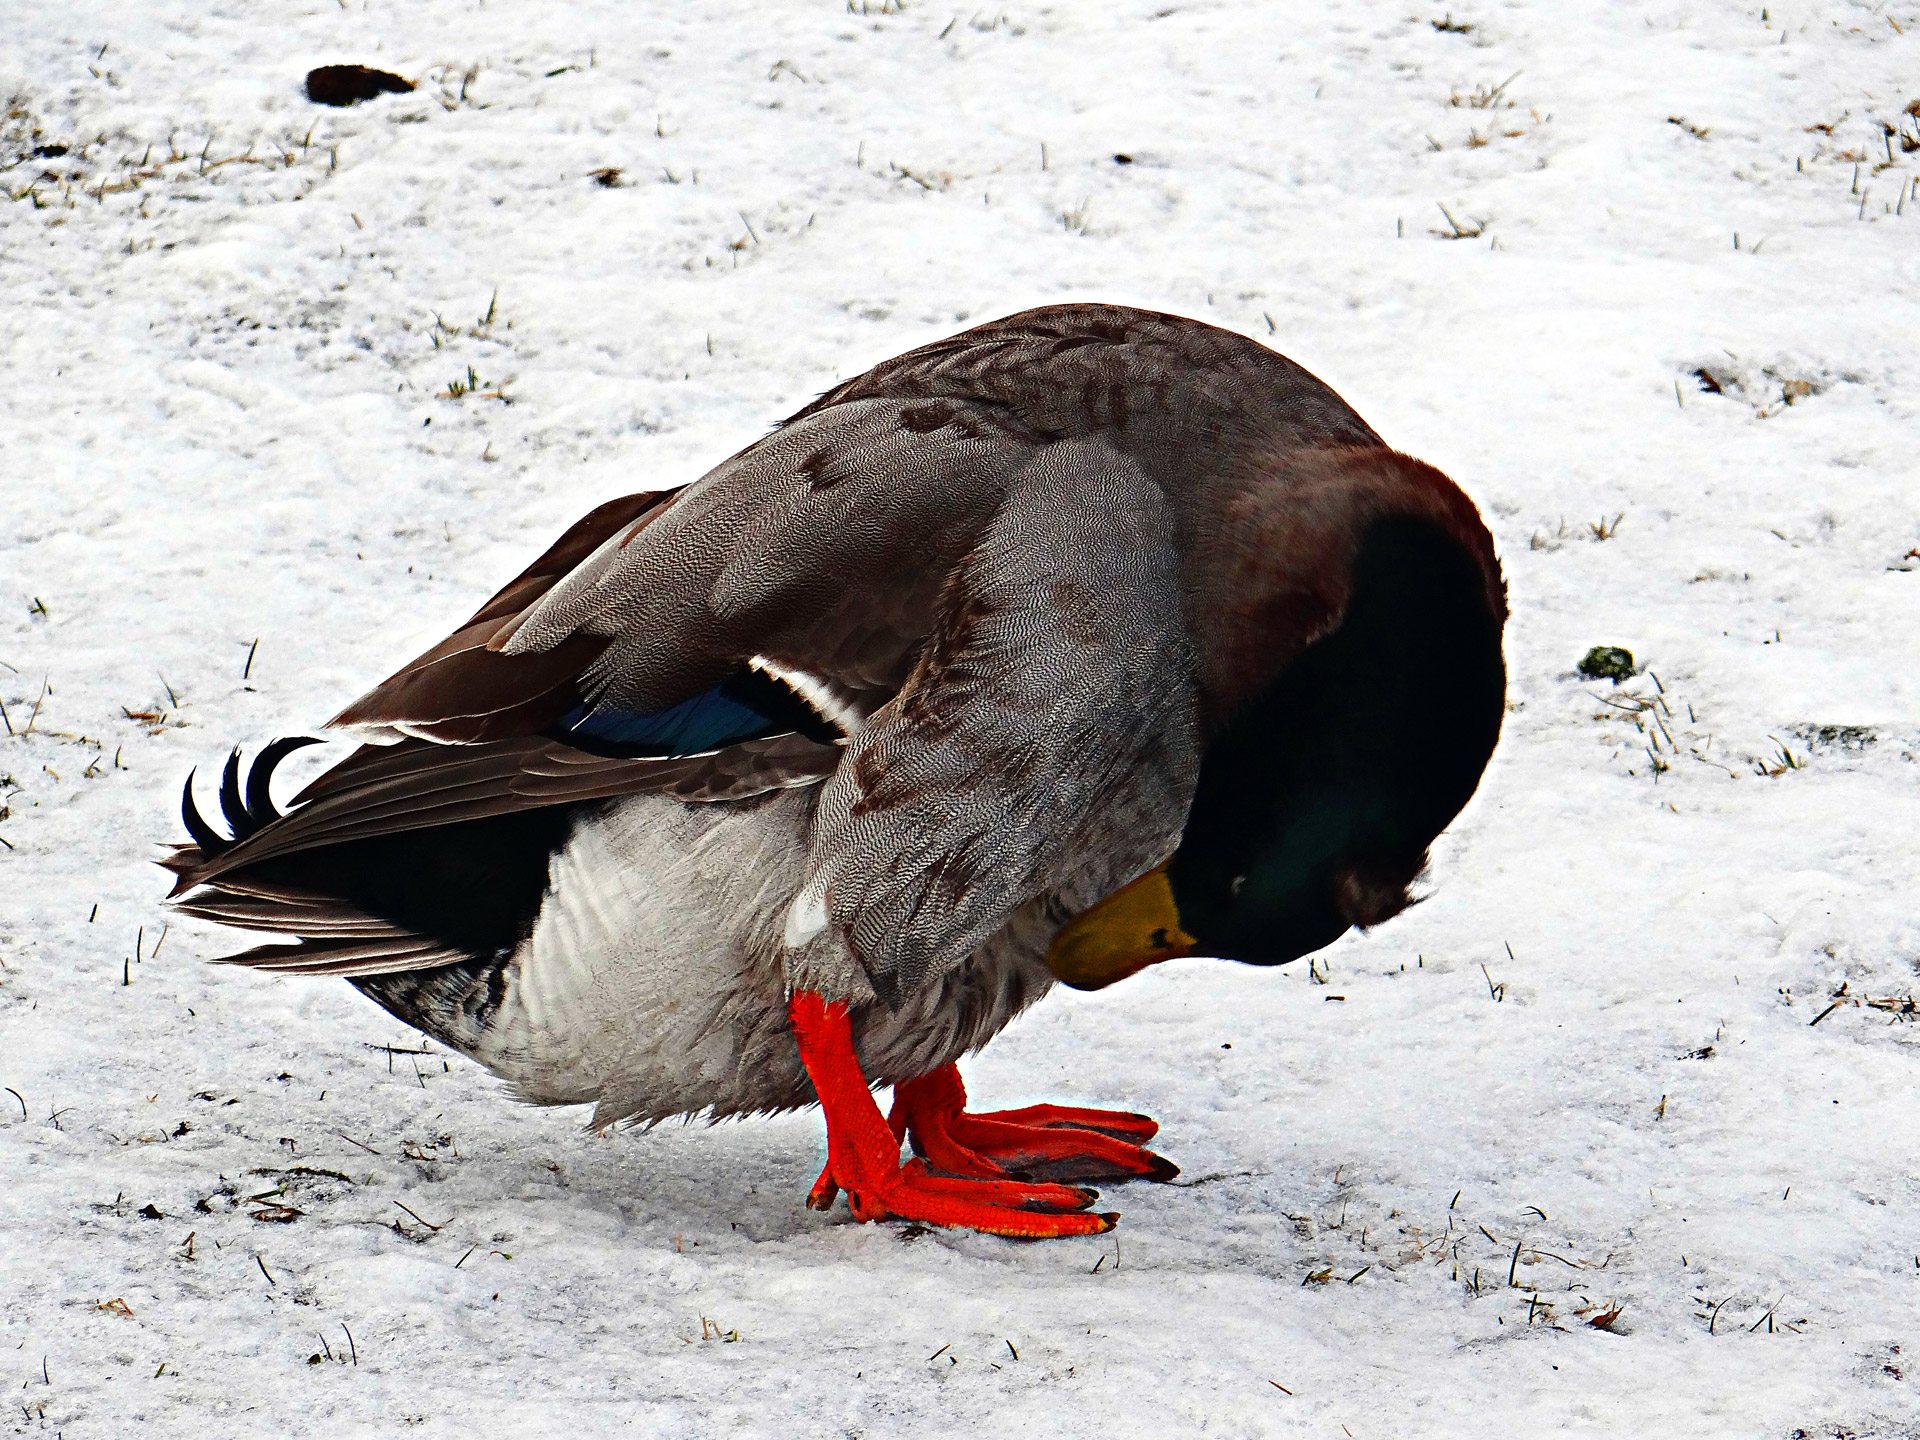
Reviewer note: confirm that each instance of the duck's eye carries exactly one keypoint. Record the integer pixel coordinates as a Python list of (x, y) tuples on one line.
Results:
[(1236, 885)]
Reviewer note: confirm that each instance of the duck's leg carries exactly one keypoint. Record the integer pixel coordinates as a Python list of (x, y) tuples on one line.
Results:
[(1055, 1141), (863, 1153)]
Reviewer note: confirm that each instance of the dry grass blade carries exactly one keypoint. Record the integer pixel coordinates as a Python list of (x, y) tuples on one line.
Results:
[(1471, 230)]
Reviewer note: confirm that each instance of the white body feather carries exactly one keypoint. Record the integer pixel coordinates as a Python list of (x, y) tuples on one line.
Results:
[(655, 982)]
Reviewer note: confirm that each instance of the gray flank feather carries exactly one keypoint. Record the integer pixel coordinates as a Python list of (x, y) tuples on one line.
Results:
[(1051, 717)]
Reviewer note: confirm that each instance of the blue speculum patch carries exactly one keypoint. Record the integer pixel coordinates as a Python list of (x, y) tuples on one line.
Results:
[(748, 705)]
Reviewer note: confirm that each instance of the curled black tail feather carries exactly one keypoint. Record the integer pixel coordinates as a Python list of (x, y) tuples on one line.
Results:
[(204, 835), (259, 801), (246, 815), (231, 805)]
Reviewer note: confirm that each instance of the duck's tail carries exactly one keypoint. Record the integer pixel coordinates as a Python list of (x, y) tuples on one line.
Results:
[(366, 905)]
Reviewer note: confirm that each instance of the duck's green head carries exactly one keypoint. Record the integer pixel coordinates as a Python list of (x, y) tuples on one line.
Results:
[(1317, 802)]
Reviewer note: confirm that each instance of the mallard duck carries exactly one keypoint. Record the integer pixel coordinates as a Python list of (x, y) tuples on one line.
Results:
[(1079, 641)]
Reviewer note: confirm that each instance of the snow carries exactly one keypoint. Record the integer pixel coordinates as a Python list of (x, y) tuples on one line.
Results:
[(228, 419)]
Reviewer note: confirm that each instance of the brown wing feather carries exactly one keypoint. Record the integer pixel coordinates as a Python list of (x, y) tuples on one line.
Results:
[(350, 958), (337, 937), (461, 692), (416, 784), (290, 912)]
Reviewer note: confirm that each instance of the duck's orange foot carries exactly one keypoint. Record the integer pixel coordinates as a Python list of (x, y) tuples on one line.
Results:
[(996, 1207), (863, 1154), (1052, 1142)]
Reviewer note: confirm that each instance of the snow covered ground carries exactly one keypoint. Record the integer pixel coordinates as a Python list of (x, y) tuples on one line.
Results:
[(1582, 1083)]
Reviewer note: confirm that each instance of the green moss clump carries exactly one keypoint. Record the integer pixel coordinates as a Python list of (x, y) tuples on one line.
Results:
[(1607, 662)]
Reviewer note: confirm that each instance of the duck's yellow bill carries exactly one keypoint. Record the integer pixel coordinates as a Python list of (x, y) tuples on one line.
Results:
[(1136, 926)]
